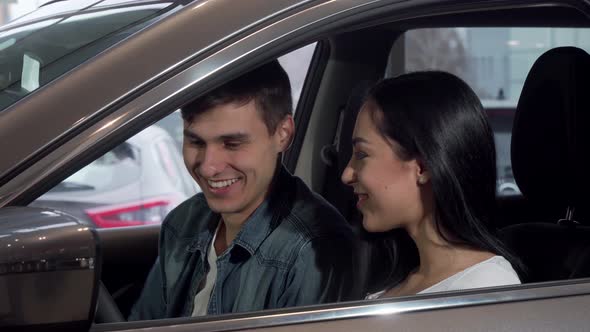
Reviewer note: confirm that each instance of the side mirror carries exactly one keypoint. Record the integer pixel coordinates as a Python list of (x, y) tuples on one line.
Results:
[(49, 271)]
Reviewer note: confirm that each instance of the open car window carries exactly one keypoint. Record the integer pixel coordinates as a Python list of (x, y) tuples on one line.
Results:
[(141, 180)]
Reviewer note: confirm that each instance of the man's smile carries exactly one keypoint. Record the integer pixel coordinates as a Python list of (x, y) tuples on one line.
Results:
[(222, 183)]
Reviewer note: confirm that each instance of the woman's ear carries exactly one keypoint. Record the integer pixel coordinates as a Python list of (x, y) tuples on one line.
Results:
[(422, 174), (284, 132)]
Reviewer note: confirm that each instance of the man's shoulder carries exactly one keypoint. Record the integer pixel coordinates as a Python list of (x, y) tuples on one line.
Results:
[(313, 215), (305, 218), (307, 227), (192, 209)]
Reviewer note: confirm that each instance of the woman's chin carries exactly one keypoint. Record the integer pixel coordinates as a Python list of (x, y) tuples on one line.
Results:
[(372, 225)]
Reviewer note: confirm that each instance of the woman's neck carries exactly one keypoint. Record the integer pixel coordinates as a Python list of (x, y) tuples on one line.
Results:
[(440, 259), (435, 253)]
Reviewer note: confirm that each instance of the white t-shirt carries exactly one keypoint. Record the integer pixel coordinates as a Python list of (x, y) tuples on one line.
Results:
[(201, 302), (494, 271)]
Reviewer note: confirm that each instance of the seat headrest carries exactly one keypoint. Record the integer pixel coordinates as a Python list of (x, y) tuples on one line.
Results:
[(551, 131)]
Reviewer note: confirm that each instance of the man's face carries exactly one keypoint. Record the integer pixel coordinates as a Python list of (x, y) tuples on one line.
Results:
[(229, 152)]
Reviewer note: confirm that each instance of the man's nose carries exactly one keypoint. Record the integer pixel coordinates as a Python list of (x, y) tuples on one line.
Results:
[(348, 175), (212, 162)]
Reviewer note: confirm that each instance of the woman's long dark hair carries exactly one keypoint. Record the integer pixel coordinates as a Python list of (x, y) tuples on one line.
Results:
[(437, 118)]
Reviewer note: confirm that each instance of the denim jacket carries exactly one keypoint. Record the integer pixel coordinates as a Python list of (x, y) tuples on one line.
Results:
[(295, 249)]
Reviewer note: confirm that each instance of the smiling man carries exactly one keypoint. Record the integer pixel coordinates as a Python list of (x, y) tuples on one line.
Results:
[(256, 237)]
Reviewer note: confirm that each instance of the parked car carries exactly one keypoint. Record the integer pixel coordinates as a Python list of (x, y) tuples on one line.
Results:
[(136, 183), (79, 79)]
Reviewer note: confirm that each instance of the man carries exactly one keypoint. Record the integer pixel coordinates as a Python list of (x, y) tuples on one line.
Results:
[(256, 237)]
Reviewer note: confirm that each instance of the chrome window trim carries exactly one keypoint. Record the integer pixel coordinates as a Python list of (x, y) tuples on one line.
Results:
[(363, 309)]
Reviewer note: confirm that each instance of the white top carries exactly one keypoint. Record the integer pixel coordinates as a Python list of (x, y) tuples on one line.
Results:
[(204, 295), (494, 271)]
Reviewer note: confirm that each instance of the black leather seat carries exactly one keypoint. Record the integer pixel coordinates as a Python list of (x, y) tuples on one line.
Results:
[(375, 259), (337, 155), (550, 159)]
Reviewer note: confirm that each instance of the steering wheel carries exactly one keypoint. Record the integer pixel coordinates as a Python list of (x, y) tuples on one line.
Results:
[(107, 310)]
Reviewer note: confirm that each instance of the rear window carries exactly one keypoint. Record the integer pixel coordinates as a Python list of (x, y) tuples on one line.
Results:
[(495, 63), (35, 52), (117, 168)]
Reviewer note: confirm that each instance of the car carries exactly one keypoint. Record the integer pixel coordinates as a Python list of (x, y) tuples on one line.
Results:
[(136, 183), (79, 79)]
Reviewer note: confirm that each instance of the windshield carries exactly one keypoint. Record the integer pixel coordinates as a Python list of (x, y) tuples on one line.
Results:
[(41, 46)]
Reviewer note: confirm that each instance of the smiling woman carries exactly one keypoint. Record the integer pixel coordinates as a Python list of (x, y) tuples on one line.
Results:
[(426, 166)]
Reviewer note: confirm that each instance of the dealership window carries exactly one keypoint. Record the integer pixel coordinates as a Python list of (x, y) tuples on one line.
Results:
[(495, 63)]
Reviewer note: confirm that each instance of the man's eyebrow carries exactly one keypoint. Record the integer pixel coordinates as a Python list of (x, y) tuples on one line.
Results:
[(358, 140), (235, 137), (224, 137), (192, 135)]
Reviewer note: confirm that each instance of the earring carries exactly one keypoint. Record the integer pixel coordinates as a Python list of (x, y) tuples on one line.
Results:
[(421, 180)]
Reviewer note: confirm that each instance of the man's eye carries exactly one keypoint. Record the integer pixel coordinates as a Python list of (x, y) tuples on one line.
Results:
[(359, 155), (232, 145), (194, 142)]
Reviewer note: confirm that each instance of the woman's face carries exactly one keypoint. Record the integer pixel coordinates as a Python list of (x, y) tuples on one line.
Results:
[(388, 189)]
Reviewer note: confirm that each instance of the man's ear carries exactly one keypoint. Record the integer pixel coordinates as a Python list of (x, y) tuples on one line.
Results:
[(422, 174), (285, 132)]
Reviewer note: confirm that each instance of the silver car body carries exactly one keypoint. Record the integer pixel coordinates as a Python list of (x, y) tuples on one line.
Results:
[(188, 52)]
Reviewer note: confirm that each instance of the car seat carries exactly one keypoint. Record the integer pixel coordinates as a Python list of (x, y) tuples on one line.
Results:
[(549, 152)]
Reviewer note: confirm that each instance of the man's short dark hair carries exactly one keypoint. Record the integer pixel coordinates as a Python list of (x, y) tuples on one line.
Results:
[(267, 85)]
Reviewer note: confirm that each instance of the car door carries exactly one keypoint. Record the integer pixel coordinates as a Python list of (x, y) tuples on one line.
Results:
[(354, 38)]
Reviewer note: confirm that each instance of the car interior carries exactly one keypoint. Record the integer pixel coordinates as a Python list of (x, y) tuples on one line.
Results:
[(546, 225), (551, 116)]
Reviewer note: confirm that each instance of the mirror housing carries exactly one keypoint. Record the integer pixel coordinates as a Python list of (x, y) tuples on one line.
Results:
[(49, 271)]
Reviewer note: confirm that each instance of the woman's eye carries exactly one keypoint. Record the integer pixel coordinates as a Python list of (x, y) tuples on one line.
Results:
[(359, 155)]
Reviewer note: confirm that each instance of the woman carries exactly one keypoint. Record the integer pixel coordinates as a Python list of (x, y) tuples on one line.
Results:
[(424, 162)]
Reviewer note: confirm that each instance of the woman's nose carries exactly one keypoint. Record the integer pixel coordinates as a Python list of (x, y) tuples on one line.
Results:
[(348, 175)]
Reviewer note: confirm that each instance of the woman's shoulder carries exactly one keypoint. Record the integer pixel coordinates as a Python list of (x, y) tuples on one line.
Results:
[(494, 271)]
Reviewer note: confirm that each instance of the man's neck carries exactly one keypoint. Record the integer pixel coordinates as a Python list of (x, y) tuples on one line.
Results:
[(232, 222), (230, 226), (220, 244)]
